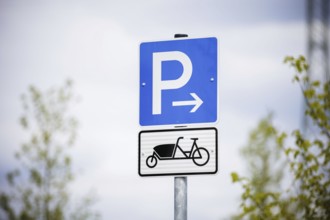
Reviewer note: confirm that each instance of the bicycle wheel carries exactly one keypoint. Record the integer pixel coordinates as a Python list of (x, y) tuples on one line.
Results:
[(200, 156), (151, 161)]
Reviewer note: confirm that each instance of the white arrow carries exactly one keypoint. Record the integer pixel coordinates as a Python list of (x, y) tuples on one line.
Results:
[(197, 102)]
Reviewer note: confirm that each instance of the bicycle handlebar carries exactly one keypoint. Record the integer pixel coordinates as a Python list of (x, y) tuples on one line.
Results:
[(177, 141)]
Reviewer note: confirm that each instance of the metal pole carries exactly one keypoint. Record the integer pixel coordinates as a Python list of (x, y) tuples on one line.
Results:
[(180, 185), (180, 198)]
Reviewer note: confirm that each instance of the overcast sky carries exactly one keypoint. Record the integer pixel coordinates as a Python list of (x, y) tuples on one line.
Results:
[(96, 44)]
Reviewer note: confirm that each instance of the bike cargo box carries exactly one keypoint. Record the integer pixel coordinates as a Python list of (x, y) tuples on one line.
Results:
[(165, 150)]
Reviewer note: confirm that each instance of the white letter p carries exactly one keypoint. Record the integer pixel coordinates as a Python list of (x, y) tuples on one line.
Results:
[(159, 84)]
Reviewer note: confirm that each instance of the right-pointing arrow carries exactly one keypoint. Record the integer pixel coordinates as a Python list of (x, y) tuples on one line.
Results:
[(197, 102)]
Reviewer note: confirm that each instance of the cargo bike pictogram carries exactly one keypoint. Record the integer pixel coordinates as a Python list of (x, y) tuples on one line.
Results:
[(199, 155)]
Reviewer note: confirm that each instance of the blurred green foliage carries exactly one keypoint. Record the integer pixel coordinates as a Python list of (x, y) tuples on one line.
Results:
[(307, 157), (38, 189)]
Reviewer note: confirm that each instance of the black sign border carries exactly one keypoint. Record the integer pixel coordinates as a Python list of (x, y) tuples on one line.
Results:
[(179, 174)]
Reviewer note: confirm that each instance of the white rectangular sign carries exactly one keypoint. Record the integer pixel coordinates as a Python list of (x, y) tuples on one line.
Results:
[(178, 152)]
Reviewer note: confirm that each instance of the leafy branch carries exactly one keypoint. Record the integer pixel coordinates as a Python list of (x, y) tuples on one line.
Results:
[(308, 160)]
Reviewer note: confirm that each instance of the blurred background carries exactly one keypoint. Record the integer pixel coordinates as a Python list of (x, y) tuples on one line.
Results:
[(96, 45)]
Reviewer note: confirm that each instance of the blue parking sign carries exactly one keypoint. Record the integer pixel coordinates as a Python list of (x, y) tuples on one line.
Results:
[(178, 82)]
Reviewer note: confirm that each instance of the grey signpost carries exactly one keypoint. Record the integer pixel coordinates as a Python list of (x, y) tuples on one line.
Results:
[(180, 185), (180, 198)]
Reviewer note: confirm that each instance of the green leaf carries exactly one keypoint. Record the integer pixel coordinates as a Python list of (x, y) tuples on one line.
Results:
[(298, 66), (318, 143), (288, 59), (234, 177), (315, 83), (309, 93), (280, 139), (288, 151), (36, 177), (67, 161), (248, 209), (24, 122)]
